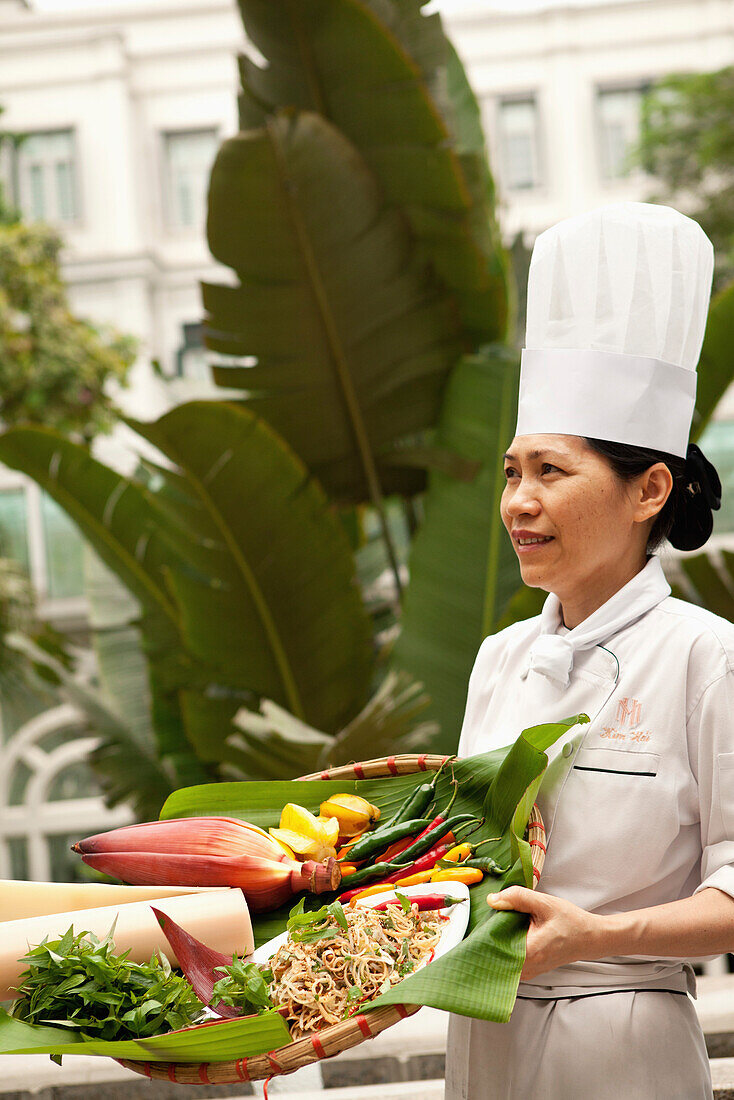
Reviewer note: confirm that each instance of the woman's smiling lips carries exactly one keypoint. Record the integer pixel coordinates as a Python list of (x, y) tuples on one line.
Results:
[(528, 542)]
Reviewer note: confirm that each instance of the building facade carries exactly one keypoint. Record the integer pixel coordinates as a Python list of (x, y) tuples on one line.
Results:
[(122, 108)]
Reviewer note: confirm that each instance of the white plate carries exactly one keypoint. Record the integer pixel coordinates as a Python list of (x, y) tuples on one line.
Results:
[(452, 932)]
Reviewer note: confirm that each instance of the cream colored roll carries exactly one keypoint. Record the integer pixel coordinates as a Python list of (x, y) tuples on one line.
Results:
[(219, 918), (35, 899)]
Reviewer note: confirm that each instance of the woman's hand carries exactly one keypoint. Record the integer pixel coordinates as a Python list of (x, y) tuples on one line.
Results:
[(559, 933)]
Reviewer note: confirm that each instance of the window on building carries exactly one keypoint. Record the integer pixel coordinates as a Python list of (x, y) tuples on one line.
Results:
[(45, 177), (14, 526), (192, 360), (618, 120), (188, 160), (38, 535), (519, 139), (63, 550)]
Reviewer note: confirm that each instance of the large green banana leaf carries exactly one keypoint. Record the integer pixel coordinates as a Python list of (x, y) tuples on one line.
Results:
[(377, 70), (121, 521), (227, 1040), (707, 579), (479, 977), (240, 562), (283, 617), (353, 346), (716, 365), (462, 566)]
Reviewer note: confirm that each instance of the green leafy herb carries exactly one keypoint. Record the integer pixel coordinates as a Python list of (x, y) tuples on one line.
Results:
[(244, 986), (354, 993), (79, 982), (337, 911), (317, 925), (404, 901)]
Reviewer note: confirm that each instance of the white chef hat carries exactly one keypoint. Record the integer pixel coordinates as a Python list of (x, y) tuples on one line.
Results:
[(617, 306)]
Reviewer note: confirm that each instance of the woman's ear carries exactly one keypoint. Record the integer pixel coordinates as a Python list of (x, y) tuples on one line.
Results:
[(655, 486)]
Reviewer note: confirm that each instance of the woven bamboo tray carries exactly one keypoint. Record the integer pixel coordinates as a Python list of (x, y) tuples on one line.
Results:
[(334, 1039)]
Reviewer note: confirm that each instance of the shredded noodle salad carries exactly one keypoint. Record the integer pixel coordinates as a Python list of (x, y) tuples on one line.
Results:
[(323, 977)]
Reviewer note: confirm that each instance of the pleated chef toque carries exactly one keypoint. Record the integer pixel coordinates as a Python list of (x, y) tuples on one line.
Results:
[(617, 305)]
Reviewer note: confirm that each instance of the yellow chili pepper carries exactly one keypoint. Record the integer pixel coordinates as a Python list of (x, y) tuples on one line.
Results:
[(368, 891), (348, 869), (414, 880), (458, 852), (467, 875)]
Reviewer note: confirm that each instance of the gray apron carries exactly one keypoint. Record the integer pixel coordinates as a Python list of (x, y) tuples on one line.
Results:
[(645, 1045)]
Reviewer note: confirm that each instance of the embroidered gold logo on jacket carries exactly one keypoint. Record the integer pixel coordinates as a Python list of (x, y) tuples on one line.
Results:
[(629, 710)]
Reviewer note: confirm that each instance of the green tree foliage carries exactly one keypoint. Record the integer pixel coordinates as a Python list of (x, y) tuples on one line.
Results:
[(55, 369), (687, 144)]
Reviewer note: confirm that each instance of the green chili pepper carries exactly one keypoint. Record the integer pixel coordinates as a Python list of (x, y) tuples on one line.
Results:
[(377, 870), (484, 863), (430, 836), (382, 838), (416, 802)]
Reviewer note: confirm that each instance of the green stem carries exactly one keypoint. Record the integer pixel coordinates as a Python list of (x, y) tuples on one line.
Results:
[(338, 357)]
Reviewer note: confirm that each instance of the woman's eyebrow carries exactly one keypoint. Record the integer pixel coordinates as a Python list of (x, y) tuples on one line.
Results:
[(537, 454)]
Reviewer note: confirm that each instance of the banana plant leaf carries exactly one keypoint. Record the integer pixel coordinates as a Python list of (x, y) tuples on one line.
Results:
[(479, 977), (716, 365), (283, 618), (273, 744), (209, 1042), (709, 581), (463, 569), (353, 344), (377, 70), (121, 521)]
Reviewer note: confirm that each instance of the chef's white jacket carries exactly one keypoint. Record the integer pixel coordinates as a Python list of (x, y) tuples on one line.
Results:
[(639, 803)]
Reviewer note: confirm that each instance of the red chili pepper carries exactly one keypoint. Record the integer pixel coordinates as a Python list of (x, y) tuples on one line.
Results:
[(423, 863), (426, 861), (423, 901)]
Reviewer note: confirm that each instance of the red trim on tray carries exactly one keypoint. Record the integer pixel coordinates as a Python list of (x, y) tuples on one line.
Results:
[(146, 1069), (536, 873), (325, 774), (317, 1046), (274, 1063), (422, 762), (358, 771), (172, 1072), (391, 765), (241, 1069), (363, 1026), (537, 844), (266, 1082), (401, 1011), (204, 1074)]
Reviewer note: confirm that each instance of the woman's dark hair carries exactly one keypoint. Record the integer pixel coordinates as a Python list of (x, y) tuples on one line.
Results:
[(686, 518)]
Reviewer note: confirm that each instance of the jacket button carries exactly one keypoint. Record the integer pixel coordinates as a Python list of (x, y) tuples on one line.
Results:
[(568, 749)]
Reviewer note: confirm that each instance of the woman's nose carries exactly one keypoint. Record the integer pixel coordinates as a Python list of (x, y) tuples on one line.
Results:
[(523, 500)]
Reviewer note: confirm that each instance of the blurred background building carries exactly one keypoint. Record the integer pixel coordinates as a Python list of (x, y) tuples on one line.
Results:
[(123, 106)]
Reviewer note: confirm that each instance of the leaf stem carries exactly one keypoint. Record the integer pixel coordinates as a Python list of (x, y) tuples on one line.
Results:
[(338, 354)]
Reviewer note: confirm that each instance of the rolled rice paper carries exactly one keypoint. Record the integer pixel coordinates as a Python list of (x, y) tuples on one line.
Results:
[(35, 899), (218, 917)]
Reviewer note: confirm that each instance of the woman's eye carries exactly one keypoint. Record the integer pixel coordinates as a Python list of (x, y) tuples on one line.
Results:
[(510, 471), (549, 468)]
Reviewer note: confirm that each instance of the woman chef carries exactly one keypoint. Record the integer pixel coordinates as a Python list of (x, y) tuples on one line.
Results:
[(639, 803)]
